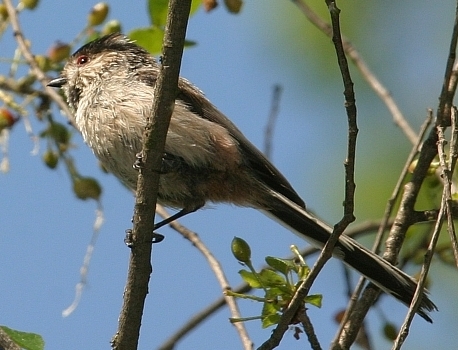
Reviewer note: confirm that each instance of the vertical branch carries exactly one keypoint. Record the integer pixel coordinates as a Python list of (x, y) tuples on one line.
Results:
[(429, 150), (450, 81), (445, 210), (350, 106), (447, 167), (451, 168), (154, 137), (326, 253), (381, 229)]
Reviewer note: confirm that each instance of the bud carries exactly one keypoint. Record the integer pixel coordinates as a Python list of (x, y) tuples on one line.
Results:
[(98, 14), (241, 250), (233, 6), (51, 159), (3, 12), (87, 187), (58, 132), (58, 52), (113, 26), (7, 119), (431, 170), (29, 4), (209, 5)]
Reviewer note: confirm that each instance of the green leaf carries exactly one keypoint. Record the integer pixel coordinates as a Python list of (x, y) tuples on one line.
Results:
[(314, 299), (270, 320), (157, 10), (285, 291), (269, 309), (272, 298), (195, 6), (149, 38), (270, 278), (281, 265), (58, 132), (28, 341), (250, 278)]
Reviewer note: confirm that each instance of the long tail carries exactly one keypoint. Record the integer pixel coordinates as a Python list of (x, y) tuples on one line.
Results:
[(386, 276)]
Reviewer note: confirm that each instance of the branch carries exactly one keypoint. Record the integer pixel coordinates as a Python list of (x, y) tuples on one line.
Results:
[(326, 253), (445, 210), (420, 216), (309, 331), (451, 168), (154, 137), (224, 283), (365, 71), (244, 288), (6, 343), (404, 331), (406, 212), (269, 129), (19, 36)]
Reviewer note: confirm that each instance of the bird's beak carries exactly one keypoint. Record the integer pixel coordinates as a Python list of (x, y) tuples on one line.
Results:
[(58, 82)]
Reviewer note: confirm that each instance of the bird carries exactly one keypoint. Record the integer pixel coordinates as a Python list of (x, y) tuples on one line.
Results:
[(109, 86)]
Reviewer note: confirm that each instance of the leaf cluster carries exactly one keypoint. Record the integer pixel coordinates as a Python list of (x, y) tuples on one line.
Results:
[(278, 282)]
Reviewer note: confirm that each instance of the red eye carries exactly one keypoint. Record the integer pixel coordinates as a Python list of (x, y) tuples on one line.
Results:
[(81, 60)]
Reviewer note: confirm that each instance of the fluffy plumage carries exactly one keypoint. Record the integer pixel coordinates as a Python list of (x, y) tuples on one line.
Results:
[(109, 86)]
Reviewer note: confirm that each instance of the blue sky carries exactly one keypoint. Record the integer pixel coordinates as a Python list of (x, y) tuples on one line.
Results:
[(45, 230)]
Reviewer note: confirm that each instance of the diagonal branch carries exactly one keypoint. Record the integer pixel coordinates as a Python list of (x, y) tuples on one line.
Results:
[(365, 71), (220, 276), (381, 230), (244, 288)]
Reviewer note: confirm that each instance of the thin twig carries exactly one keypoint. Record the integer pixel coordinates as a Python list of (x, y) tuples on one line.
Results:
[(199, 317), (271, 121), (309, 330), (220, 276), (384, 224), (406, 213), (446, 174), (446, 199), (398, 187), (450, 79), (18, 34), (326, 253), (451, 167), (363, 339), (365, 71), (404, 331)]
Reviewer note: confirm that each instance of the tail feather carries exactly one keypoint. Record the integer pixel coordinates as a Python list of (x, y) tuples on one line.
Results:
[(380, 272)]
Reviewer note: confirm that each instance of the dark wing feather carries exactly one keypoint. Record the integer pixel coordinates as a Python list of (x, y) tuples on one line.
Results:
[(263, 168)]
